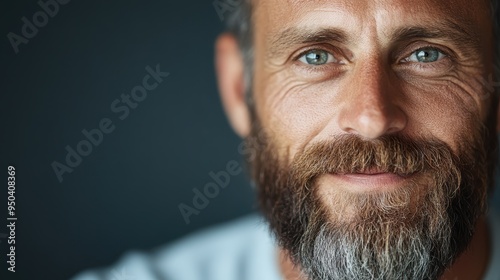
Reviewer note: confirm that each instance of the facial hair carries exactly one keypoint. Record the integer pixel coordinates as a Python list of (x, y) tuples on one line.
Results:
[(413, 232)]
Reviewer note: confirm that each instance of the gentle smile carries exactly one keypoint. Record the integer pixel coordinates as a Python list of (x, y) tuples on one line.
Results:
[(370, 180)]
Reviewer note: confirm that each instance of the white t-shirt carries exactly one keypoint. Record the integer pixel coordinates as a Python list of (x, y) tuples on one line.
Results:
[(240, 250)]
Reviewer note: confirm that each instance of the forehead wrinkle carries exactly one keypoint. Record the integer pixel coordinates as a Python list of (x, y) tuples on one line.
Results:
[(458, 26), (461, 35)]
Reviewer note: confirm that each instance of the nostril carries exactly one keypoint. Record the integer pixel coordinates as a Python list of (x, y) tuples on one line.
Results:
[(371, 122)]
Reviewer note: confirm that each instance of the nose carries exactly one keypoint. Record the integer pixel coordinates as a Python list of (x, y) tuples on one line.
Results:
[(369, 108)]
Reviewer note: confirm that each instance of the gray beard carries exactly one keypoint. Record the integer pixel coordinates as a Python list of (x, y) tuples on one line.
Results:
[(414, 232), (342, 256), (382, 245)]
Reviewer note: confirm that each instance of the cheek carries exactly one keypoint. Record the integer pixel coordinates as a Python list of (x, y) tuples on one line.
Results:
[(448, 110), (298, 112)]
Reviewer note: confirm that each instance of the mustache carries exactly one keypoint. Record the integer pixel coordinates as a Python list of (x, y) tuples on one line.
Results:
[(426, 223), (397, 154)]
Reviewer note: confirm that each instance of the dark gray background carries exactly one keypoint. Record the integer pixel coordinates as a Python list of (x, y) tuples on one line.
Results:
[(125, 194)]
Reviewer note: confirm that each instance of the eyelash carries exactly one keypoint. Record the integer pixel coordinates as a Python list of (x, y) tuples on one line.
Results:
[(441, 65), (444, 52), (447, 55), (336, 53)]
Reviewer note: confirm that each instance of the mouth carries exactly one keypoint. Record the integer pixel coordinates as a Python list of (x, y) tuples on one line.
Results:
[(370, 180)]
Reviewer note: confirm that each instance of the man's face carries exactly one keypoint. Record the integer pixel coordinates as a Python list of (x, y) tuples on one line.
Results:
[(369, 123), (326, 68)]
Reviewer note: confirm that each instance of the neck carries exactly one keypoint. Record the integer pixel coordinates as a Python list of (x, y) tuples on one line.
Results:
[(471, 264)]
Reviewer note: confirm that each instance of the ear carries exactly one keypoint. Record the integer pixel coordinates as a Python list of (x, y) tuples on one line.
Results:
[(229, 66)]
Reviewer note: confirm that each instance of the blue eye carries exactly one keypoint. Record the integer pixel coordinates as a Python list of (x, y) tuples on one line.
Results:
[(317, 57), (426, 55)]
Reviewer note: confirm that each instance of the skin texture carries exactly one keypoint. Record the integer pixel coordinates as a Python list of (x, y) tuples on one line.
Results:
[(372, 94), (371, 88)]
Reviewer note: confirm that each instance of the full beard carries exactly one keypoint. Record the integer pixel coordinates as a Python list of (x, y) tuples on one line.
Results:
[(413, 232)]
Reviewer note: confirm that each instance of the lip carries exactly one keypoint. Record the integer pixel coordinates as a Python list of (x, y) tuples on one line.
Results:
[(371, 180)]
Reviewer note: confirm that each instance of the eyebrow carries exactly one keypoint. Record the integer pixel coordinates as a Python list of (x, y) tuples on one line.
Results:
[(459, 34), (462, 35), (300, 36)]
